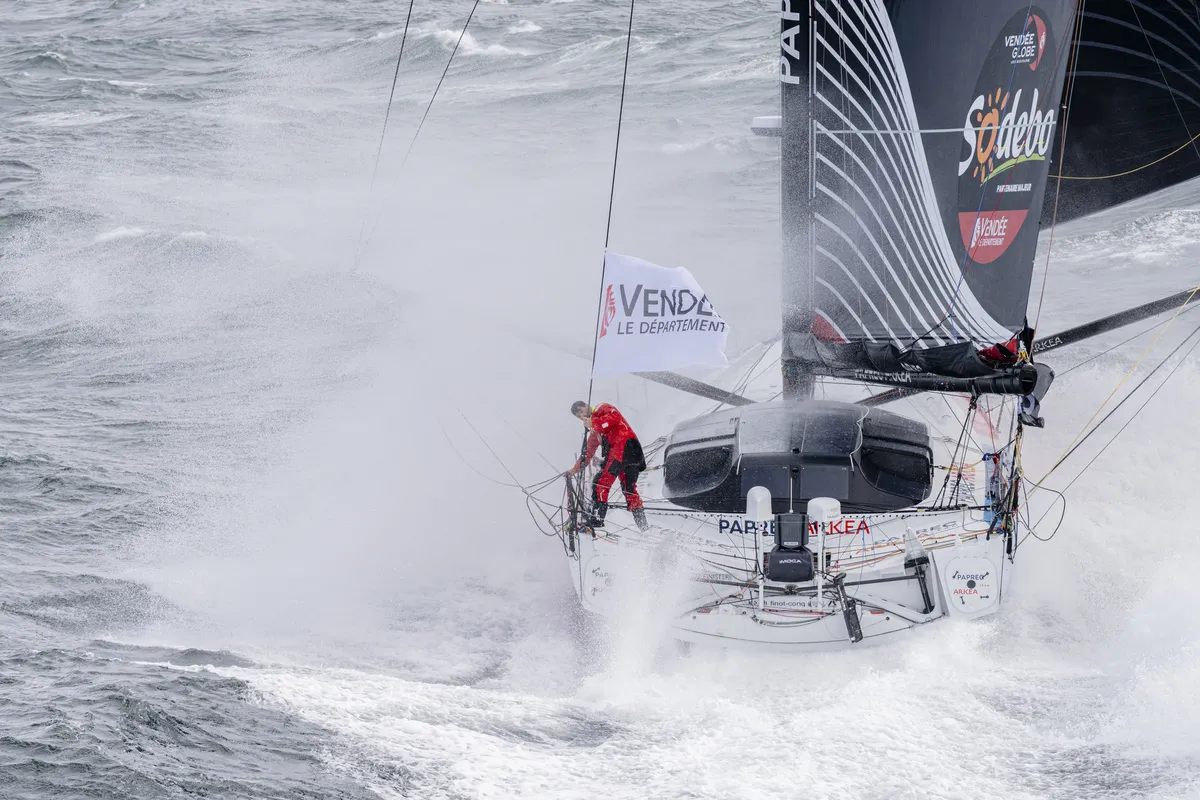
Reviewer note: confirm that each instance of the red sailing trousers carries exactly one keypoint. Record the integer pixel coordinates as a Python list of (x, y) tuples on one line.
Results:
[(626, 465)]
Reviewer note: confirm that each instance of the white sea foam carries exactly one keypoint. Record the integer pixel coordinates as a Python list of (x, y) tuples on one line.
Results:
[(72, 119), (590, 46), (470, 45), (394, 599), (140, 86), (750, 69), (388, 34), (123, 232), (1092, 660)]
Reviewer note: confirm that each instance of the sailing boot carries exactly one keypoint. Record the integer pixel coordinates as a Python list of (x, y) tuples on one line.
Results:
[(596, 518), (639, 516)]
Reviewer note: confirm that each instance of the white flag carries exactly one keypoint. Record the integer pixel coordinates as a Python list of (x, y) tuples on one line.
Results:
[(653, 318)]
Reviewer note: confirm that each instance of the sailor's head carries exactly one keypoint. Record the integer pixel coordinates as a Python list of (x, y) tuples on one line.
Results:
[(580, 410)]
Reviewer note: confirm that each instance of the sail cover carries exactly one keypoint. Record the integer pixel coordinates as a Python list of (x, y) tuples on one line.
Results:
[(931, 126)]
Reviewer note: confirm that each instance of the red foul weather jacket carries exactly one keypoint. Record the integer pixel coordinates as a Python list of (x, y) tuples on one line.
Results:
[(610, 427)]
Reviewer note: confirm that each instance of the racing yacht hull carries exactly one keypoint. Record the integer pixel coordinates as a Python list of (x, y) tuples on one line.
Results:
[(875, 575)]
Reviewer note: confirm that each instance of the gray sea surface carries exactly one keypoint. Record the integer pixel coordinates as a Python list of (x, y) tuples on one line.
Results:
[(260, 410)]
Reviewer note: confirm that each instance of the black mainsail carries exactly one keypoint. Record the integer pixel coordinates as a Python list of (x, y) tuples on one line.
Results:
[(917, 139), (1134, 88)]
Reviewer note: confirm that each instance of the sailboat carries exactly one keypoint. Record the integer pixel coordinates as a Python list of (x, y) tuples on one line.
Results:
[(921, 144)]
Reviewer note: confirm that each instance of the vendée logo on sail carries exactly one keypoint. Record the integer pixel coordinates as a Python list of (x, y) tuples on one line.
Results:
[(654, 318), (682, 310), (1028, 47)]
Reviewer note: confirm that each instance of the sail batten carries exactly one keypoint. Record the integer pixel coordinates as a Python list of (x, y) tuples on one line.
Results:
[(907, 213), (887, 234)]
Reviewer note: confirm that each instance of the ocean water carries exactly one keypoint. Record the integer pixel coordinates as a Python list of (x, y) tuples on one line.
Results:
[(254, 539)]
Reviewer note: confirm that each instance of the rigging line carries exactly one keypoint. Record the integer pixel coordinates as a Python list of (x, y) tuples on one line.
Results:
[(1033, 527), (966, 419), (958, 445), (744, 381), (1163, 75), (438, 88), (1062, 149), (612, 190), (1158, 324), (429, 106), (1121, 382), (383, 134), (1181, 147), (758, 375), (471, 466), (534, 488), (489, 447), (1140, 384), (1062, 494), (527, 444)]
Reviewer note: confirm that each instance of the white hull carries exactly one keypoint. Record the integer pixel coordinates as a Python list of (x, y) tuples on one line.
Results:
[(701, 571), (701, 594)]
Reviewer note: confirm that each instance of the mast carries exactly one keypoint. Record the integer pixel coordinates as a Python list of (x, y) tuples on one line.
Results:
[(795, 173)]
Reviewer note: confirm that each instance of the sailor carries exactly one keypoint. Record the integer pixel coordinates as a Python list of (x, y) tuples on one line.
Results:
[(622, 456)]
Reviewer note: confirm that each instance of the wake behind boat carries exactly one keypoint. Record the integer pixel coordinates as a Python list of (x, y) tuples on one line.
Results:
[(915, 152)]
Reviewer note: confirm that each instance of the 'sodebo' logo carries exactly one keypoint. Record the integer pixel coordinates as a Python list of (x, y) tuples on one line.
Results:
[(1002, 140)]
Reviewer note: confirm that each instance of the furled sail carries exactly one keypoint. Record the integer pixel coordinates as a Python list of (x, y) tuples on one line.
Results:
[(917, 138)]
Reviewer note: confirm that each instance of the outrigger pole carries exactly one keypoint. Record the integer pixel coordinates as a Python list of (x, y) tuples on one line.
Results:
[(693, 386), (1119, 320), (1183, 301), (917, 383)]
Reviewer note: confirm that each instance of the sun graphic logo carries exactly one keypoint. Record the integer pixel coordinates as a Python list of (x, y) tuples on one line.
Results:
[(987, 128), (610, 310)]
